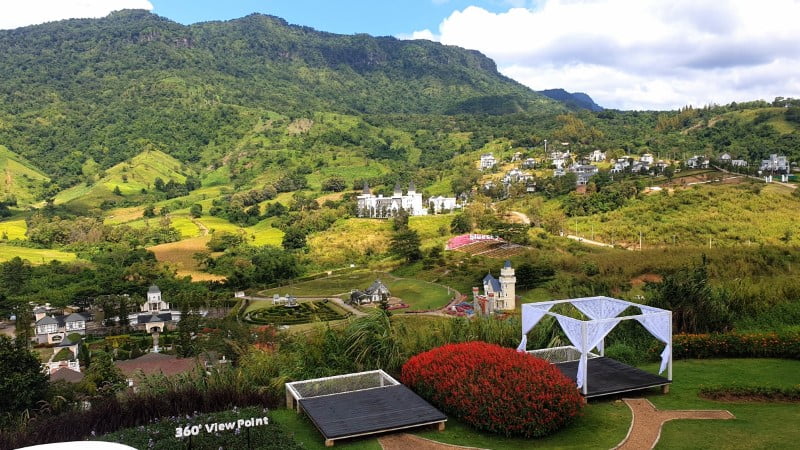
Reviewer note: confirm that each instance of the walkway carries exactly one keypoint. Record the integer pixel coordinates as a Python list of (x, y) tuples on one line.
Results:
[(588, 241), (647, 421), (410, 442)]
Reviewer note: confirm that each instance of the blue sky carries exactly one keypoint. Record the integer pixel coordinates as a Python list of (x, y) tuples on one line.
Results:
[(626, 54), (376, 17)]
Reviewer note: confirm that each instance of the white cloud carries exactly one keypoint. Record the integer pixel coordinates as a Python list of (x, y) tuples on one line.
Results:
[(642, 54), (18, 13), (421, 34)]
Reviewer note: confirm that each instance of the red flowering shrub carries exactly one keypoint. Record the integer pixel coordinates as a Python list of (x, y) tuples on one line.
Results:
[(734, 345), (494, 388)]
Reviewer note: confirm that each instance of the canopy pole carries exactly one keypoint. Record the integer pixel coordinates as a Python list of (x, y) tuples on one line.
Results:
[(669, 363), (584, 350)]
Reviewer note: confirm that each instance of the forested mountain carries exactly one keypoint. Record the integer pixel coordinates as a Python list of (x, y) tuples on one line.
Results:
[(572, 99), (107, 88)]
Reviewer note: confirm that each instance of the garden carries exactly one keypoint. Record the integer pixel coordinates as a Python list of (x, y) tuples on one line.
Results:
[(304, 312)]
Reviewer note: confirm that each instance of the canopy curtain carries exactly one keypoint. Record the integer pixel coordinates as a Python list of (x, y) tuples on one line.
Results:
[(660, 326), (599, 308), (595, 332), (531, 315)]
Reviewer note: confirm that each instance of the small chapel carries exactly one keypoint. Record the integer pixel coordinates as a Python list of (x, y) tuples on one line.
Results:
[(499, 294)]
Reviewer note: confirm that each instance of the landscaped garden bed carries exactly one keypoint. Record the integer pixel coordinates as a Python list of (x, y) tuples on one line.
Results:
[(304, 312)]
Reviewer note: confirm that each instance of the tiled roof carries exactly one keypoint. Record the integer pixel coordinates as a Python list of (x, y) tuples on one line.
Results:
[(492, 281), (153, 363), (65, 374), (153, 290)]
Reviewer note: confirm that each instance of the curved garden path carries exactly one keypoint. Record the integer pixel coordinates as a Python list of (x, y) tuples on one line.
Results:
[(647, 421), (404, 441)]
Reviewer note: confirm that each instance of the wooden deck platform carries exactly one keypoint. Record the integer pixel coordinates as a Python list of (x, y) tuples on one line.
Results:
[(607, 376), (369, 411)]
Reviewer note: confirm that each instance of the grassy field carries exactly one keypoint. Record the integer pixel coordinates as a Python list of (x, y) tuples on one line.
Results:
[(181, 254), (20, 177), (728, 215), (13, 229), (419, 295), (351, 241), (34, 255)]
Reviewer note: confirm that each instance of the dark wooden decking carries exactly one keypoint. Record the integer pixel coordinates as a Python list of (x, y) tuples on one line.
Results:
[(370, 411), (607, 376)]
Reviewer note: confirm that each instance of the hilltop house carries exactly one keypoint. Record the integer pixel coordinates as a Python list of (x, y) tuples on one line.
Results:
[(499, 294), (376, 292), (775, 163), (379, 206), (529, 163), (487, 161), (559, 159), (739, 163), (53, 329), (597, 156), (647, 158), (516, 176), (697, 162), (583, 172), (725, 158), (620, 165)]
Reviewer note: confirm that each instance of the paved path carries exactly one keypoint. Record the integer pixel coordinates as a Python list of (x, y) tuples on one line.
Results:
[(647, 421), (410, 442), (521, 216), (588, 241)]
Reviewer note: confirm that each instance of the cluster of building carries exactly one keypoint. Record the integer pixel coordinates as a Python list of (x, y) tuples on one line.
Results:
[(644, 164), (378, 206)]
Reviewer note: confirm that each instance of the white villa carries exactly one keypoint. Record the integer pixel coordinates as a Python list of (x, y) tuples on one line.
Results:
[(379, 206), (441, 204), (516, 176), (487, 161), (597, 156), (376, 292), (559, 159), (155, 314), (583, 172), (499, 294), (739, 163), (775, 163), (697, 162), (647, 158)]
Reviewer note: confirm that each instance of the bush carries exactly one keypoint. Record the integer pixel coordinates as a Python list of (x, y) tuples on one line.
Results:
[(494, 388), (625, 353), (734, 345), (750, 393)]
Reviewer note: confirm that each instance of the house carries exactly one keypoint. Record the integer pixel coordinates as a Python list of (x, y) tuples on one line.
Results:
[(583, 172), (775, 163), (155, 313), (379, 206), (499, 294), (375, 293), (738, 163), (597, 156), (529, 163), (487, 161), (53, 329), (154, 363), (286, 300), (620, 165), (517, 156), (725, 158), (441, 204), (559, 159), (697, 162), (516, 176), (640, 167), (647, 158)]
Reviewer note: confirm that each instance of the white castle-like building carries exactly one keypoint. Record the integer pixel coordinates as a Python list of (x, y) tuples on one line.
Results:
[(499, 294), (373, 206)]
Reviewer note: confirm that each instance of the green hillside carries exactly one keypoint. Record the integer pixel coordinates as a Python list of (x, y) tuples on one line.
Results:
[(131, 177), (20, 179), (104, 88)]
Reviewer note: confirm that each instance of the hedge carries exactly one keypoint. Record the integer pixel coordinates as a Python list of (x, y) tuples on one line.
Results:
[(750, 393), (494, 389), (734, 345)]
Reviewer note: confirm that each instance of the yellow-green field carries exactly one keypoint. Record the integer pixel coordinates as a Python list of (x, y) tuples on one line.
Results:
[(181, 255), (34, 255), (13, 229), (349, 241), (19, 177)]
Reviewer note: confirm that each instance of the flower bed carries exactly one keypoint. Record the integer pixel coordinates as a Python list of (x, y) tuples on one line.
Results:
[(734, 345), (494, 388)]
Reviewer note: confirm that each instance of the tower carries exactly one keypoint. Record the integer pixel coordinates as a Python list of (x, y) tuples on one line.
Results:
[(508, 282), (154, 302)]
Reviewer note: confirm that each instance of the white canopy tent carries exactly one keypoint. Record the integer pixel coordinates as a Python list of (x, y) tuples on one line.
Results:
[(586, 335)]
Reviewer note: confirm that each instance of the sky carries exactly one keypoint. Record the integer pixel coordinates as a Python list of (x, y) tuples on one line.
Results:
[(626, 54)]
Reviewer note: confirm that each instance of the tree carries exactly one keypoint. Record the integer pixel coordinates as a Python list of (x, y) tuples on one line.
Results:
[(294, 239), (400, 220), (334, 184), (103, 377), (188, 327), (117, 192), (196, 210), (22, 382), (461, 224), (406, 245)]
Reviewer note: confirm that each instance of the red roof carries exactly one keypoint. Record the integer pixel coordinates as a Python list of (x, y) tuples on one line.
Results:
[(153, 363)]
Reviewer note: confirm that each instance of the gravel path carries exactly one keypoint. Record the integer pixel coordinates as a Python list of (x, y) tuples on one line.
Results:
[(646, 424)]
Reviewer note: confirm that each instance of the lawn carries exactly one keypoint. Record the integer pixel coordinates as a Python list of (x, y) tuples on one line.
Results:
[(419, 295), (13, 229), (605, 423), (34, 255)]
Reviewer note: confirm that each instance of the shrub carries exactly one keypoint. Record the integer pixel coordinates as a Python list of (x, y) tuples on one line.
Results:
[(750, 393), (494, 388), (735, 345)]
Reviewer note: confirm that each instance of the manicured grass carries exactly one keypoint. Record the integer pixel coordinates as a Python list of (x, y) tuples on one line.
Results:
[(757, 424), (14, 229), (304, 312), (419, 295), (34, 255), (304, 432)]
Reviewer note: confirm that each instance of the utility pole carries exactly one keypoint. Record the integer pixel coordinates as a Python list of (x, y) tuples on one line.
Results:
[(545, 147), (640, 241)]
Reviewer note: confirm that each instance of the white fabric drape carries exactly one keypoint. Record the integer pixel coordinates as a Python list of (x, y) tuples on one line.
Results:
[(600, 308), (595, 332), (660, 326), (531, 315)]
